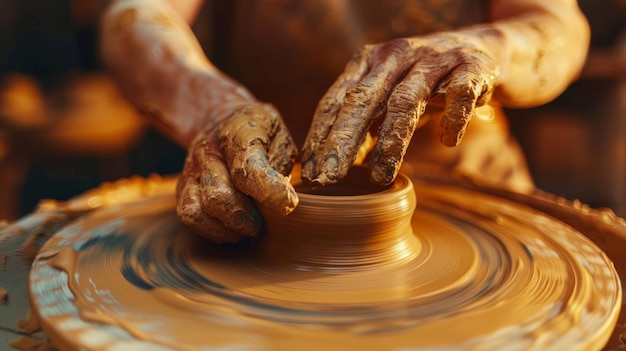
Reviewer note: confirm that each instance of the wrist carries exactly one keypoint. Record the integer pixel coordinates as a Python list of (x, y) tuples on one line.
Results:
[(193, 100), (162, 70)]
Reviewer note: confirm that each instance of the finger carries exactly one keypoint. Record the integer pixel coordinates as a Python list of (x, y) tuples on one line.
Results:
[(218, 195), (406, 104), (208, 201), (283, 150), (245, 140), (221, 200), (362, 104), (468, 85), (191, 213), (326, 112)]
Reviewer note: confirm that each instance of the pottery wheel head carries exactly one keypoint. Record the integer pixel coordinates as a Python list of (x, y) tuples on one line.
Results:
[(419, 264)]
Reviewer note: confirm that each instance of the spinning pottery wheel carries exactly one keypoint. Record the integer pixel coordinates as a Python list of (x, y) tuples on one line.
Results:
[(449, 266)]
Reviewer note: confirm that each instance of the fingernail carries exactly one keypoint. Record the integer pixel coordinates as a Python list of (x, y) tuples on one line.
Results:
[(308, 169), (382, 175), (329, 170)]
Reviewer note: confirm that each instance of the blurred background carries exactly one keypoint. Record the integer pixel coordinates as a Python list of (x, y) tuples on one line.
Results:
[(64, 128)]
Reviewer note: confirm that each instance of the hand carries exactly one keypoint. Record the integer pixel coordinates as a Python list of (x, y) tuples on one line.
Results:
[(390, 84), (245, 156)]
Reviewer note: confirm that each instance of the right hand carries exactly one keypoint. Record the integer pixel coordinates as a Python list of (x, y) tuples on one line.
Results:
[(247, 155), (390, 84)]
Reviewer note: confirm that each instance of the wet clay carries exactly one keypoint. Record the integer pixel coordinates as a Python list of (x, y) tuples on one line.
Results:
[(29, 341), (30, 324), (443, 267), (25, 343)]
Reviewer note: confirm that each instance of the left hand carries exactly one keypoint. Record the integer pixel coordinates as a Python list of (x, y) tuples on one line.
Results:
[(390, 84), (247, 153)]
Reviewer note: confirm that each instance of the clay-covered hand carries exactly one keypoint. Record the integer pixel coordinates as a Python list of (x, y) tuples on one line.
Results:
[(390, 84), (247, 155)]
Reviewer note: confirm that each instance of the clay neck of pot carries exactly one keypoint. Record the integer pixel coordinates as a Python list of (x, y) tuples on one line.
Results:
[(346, 227)]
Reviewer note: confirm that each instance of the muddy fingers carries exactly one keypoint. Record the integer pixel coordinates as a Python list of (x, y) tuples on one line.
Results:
[(245, 141), (208, 201), (404, 108), (362, 105), (223, 201), (327, 111), (468, 88), (390, 84), (191, 213), (283, 150)]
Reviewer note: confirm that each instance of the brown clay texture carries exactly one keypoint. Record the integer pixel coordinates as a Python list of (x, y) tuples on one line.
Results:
[(420, 264)]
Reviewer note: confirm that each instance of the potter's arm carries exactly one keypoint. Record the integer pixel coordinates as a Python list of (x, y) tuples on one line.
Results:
[(543, 45), (159, 65), (238, 148)]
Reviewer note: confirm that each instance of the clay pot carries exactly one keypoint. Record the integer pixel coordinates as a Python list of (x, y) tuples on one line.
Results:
[(351, 225)]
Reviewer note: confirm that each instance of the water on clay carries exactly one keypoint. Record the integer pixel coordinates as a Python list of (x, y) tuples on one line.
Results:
[(441, 268)]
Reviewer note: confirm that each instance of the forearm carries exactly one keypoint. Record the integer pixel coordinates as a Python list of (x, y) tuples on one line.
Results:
[(161, 68), (540, 47)]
